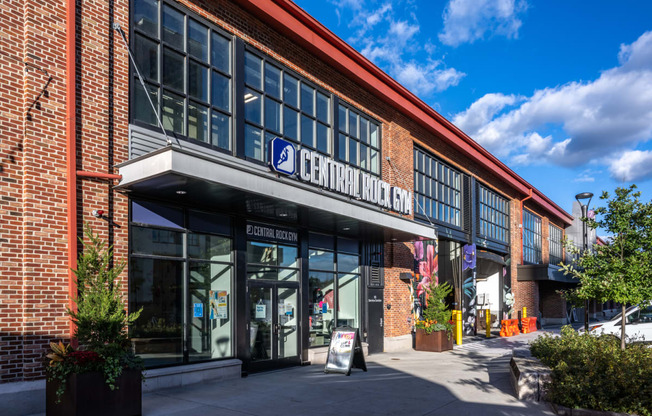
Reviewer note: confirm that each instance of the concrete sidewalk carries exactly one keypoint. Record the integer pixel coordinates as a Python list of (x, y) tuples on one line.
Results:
[(473, 379)]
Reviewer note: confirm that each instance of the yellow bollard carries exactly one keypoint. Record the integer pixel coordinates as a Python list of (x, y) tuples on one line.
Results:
[(488, 313), (458, 327), (524, 312)]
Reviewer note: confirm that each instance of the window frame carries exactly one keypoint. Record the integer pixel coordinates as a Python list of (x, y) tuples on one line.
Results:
[(532, 238), (337, 132), (299, 143), (555, 247), (236, 120), (489, 205), (187, 261), (420, 196), (336, 273), (188, 99)]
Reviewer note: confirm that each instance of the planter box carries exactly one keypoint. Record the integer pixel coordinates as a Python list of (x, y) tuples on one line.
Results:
[(437, 341), (88, 394)]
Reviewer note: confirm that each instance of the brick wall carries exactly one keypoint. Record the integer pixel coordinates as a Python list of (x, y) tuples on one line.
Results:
[(12, 125), (399, 257), (33, 208), (552, 304)]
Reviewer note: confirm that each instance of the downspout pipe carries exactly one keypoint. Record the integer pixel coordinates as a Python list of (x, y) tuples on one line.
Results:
[(71, 153), (522, 226)]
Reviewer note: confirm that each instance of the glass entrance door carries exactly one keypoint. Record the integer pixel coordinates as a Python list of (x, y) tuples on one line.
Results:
[(273, 325)]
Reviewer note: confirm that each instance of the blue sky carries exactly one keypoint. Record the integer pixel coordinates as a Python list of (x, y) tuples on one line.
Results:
[(561, 91)]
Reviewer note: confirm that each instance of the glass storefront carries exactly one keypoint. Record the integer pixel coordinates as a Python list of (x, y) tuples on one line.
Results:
[(271, 261), (273, 276), (181, 275), (334, 286)]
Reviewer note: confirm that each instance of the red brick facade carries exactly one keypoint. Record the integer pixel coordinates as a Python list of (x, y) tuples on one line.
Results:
[(33, 202)]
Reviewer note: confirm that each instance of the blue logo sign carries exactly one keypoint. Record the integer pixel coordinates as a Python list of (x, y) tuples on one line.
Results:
[(282, 156)]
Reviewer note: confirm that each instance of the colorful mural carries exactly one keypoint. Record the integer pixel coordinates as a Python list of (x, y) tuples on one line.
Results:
[(426, 267), (469, 288), (508, 298)]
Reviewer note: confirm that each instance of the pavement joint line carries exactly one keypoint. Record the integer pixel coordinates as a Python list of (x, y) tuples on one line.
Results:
[(431, 411), (200, 403)]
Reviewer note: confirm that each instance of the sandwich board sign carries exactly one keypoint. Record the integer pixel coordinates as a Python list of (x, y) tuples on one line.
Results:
[(345, 351)]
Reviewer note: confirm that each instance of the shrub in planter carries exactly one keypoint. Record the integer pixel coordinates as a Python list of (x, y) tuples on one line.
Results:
[(436, 321), (593, 372), (101, 329)]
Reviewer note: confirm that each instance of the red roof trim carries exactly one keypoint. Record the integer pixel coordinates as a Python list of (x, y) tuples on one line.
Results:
[(293, 22)]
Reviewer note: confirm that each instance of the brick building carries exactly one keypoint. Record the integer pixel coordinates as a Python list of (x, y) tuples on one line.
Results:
[(274, 190)]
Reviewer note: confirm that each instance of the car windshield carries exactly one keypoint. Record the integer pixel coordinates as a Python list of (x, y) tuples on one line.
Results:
[(627, 311)]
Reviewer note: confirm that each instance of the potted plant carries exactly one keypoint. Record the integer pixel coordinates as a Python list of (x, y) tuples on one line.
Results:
[(435, 329), (102, 376)]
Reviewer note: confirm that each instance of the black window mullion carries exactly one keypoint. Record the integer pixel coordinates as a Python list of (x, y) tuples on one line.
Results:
[(238, 107)]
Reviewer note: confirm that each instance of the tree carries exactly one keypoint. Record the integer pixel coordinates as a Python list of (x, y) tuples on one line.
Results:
[(621, 270), (437, 315), (101, 318)]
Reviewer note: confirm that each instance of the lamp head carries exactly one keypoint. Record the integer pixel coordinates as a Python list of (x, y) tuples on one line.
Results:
[(582, 196)]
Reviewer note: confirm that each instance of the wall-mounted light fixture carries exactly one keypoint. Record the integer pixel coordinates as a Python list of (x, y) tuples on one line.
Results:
[(99, 213), (407, 276)]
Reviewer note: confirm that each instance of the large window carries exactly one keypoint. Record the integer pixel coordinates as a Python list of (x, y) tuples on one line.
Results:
[(531, 238), (493, 214), (334, 286), (187, 68), (437, 189), (359, 140), (188, 65), (556, 235), (277, 103), (181, 275), (272, 261)]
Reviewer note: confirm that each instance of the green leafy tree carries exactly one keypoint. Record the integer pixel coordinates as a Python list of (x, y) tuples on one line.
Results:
[(621, 270), (101, 318)]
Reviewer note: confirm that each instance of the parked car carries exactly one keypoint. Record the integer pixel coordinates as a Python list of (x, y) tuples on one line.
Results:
[(638, 327)]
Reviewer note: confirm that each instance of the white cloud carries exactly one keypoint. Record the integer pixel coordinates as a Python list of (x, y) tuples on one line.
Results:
[(482, 111), (426, 79), (638, 55), (632, 166), (584, 178), (466, 21), (390, 41), (595, 119), (587, 176)]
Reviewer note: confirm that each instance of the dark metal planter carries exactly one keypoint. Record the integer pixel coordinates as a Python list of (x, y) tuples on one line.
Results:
[(88, 394), (437, 341)]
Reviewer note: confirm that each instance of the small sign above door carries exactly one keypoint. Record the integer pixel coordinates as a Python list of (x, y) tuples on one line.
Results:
[(271, 233)]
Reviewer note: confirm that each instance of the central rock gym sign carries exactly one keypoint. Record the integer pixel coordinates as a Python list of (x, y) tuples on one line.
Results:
[(322, 171)]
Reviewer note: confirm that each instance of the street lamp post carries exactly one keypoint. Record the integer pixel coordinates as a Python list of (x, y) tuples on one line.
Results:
[(585, 243)]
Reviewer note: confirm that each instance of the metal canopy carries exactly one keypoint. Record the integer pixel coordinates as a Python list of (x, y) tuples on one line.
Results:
[(529, 272), (228, 184)]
